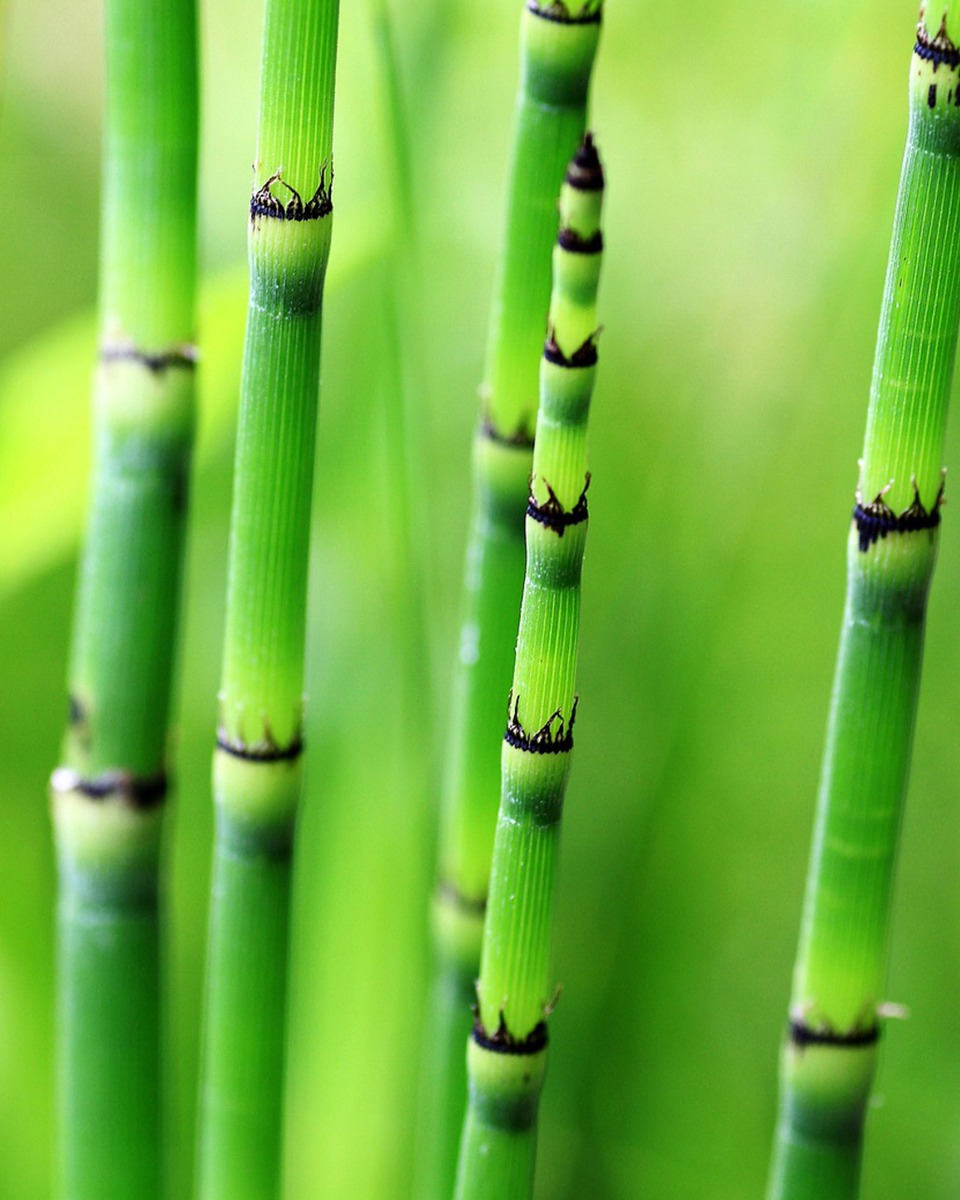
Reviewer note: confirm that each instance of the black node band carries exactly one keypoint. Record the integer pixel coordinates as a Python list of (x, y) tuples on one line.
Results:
[(583, 356), (263, 203), (938, 50), (558, 11), (184, 359), (503, 1041), (261, 752), (802, 1035), (555, 736), (875, 521), (573, 243), (139, 791)]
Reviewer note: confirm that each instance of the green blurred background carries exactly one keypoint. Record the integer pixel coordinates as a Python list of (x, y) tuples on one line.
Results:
[(752, 152)]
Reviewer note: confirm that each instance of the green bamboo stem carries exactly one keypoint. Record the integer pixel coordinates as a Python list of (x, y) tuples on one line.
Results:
[(257, 767), (108, 794), (836, 1004), (558, 47), (507, 1050)]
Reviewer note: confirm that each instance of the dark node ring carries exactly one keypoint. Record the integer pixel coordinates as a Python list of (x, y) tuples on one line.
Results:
[(553, 515), (141, 792), (555, 736), (573, 243), (183, 358), (263, 203), (585, 173), (260, 752), (559, 12), (802, 1035), (937, 50), (503, 1041), (875, 521)]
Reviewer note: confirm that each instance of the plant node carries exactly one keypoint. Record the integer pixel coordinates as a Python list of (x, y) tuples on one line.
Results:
[(553, 515), (555, 736), (263, 203), (876, 519), (502, 1041), (137, 791)]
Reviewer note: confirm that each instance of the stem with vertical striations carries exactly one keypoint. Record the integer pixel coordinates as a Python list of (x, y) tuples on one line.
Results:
[(257, 764), (108, 794), (558, 47), (830, 1052), (507, 1050)]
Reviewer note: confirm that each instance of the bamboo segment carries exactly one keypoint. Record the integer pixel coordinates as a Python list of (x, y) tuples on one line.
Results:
[(558, 46), (836, 1004), (108, 794), (257, 767), (507, 1050)]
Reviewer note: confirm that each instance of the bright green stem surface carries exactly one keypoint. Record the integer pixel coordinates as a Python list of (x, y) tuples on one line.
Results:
[(109, 1086), (246, 1015), (507, 1051), (557, 59), (829, 1059), (257, 766), (148, 226), (107, 798), (289, 244)]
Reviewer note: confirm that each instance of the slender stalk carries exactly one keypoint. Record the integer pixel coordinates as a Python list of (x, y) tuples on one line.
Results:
[(831, 1048), (258, 761), (507, 1050), (108, 794), (558, 47)]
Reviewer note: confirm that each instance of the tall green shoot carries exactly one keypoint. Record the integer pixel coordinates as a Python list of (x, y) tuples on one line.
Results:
[(108, 795), (836, 1004), (508, 1047), (558, 46), (258, 760)]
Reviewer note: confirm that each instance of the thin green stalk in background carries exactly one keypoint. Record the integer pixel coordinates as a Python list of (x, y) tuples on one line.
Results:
[(258, 761), (508, 1047), (108, 794), (558, 48), (836, 1004)]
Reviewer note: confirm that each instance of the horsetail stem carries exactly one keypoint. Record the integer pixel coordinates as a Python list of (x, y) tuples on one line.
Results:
[(257, 763), (558, 46), (108, 795), (830, 1053), (507, 1050)]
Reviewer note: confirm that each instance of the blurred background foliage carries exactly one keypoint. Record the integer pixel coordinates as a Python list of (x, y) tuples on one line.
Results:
[(752, 151)]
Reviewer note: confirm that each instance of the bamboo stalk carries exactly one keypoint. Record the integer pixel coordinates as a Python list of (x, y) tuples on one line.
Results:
[(258, 761), (558, 47), (108, 794), (836, 1004), (507, 1050)]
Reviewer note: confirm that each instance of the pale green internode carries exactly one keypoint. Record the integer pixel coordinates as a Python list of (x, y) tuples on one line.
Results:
[(837, 1000), (558, 47), (257, 766), (507, 1049)]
